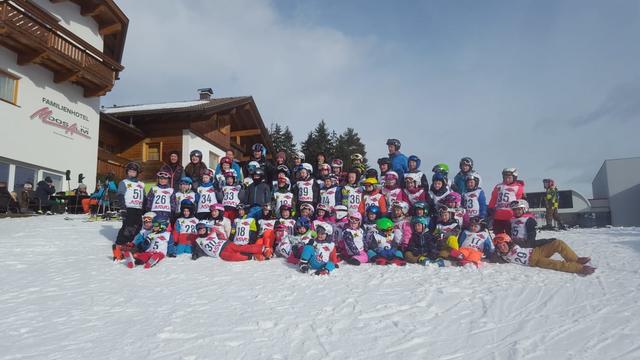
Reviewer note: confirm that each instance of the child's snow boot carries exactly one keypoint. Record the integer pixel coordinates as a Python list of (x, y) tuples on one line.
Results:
[(129, 259), (381, 261), (398, 262), (303, 266), (583, 260), (352, 261), (587, 270), (152, 262)]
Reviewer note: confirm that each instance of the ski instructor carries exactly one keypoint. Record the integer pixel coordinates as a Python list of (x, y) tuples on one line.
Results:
[(399, 162)]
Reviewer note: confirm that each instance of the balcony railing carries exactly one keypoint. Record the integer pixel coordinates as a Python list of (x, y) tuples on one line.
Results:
[(36, 37)]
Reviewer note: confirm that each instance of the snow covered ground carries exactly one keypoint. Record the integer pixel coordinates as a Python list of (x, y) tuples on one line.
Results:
[(61, 297)]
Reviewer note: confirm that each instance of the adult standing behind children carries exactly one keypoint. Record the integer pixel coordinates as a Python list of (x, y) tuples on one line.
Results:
[(195, 168), (174, 169), (399, 161), (235, 166)]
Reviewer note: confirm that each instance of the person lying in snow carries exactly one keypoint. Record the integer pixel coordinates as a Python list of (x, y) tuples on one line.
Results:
[(209, 243), (540, 256)]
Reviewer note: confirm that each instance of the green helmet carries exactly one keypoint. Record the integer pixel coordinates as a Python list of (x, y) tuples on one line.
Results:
[(384, 224), (441, 168)]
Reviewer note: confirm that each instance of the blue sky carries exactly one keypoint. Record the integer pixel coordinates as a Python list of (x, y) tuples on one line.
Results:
[(550, 87)]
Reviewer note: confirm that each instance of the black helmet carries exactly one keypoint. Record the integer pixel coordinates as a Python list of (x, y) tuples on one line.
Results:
[(132, 166), (371, 173), (196, 153), (394, 142), (384, 160), (257, 147), (466, 161), (259, 172)]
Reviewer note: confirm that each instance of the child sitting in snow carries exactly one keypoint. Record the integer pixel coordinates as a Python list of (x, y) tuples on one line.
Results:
[(208, 243), (383, 249), (159, 240), (474, 243), (540, 256), (446, 231), (423, 247), (291, 246), (319, 254), (351, 245)]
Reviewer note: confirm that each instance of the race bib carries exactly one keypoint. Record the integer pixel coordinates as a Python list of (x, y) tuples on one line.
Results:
[(134, 196), (161, 199)]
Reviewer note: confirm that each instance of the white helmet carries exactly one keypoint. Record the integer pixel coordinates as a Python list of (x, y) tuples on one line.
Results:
[(307, 167), (327, 228), (510, 171), (308, 206), (402, 205), (298, 155), (341, 211), (522, 203)]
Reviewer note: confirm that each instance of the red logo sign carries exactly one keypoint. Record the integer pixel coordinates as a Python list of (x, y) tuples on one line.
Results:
[(45, 114)]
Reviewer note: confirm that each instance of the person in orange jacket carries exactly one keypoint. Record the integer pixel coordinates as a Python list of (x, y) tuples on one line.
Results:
[(372, 196), (510, 189)]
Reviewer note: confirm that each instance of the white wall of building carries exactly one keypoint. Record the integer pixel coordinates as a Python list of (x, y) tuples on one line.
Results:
[(211, 154), (623, 184), (66, 134), (70, 18)]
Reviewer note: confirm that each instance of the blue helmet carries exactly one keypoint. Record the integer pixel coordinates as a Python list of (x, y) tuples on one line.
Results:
[(416, 159), (186, 180), (373, 209), (439, 176), (188, 204), (304, 222)]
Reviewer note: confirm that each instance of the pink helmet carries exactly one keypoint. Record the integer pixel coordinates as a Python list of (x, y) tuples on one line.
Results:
[(355, 215), (391, 175), (218, 207), (452, 197)]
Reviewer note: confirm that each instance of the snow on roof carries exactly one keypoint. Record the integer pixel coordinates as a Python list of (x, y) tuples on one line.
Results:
[(149, 107)]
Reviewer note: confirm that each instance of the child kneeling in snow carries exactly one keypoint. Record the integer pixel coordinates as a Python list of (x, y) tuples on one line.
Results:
[(319, 254), (541, 256), (209, 243), (383, 249), (159, 241)]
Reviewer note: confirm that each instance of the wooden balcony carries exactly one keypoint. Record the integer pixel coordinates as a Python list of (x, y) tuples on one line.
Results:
[(37, 38)]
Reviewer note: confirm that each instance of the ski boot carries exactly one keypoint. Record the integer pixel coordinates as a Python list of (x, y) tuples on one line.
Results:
[(130, 261), (352, 261), (303, 266)]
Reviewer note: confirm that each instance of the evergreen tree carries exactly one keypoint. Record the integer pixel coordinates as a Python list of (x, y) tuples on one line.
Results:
[(318, 141), (349, 143), (282, 139)]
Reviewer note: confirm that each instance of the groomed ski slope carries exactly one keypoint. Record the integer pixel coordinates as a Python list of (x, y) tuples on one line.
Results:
[(61, 297)]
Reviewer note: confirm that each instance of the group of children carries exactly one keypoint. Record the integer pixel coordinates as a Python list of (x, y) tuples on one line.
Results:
[(393, 216)]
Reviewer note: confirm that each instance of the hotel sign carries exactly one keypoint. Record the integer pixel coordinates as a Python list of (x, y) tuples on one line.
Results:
[(70, 121)]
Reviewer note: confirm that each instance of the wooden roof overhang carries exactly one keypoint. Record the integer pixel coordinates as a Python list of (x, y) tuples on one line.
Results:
[(230, 122), (38, 38)]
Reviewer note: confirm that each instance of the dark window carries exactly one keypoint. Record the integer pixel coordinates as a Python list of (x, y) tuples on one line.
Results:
[(23, 175), (4, 172)]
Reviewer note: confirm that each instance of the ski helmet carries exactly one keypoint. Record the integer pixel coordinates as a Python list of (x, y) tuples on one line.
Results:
[(421, 205), (416, 159), (420, 220), (357, 156), (307, 206), (384, 224), (355, 215), (218, 207), (375, 209), (472, 175), (501, 238), (341, 211), (337, 163), (517, 204), (208, 172), (370, 181), (160, 223), (230, 174), (452, 197), (226, 160), (324, 166), (548, 183), (283, 169), (384, 160), (259, 173), (466, 161), (402, 205), (150, 215), (202, 225), (510, 171), (187, 204), (324, 207), (441, 168), (196, 153), (299, 155), (252, 166), (439, 177), (391, 175), (477, 220), (132, 166), (394, 142), (324, 228), (307, 167), (258, 148), (412, 177), (186, 180), (303, 222), (163, 175)]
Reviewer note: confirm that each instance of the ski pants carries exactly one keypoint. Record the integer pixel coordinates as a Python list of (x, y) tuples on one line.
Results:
[(309, 254), (540, 257), (552, 214), (142, 258), (234, 252), (131, 224)]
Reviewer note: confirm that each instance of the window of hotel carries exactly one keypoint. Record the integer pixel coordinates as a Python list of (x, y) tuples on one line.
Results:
[(57, 180), (23, 174), (213, 160), (4, 172), (8, 87), (153, 152)]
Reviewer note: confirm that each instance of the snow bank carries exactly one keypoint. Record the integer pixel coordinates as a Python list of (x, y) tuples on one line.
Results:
[(62, 297)]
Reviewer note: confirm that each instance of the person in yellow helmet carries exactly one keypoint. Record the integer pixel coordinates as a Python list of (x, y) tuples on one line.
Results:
[(372, 196)]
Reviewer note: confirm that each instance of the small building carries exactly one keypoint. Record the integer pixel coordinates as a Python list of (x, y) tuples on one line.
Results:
[(56, 59), (616, 186), (573, 208), (147, 133)]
